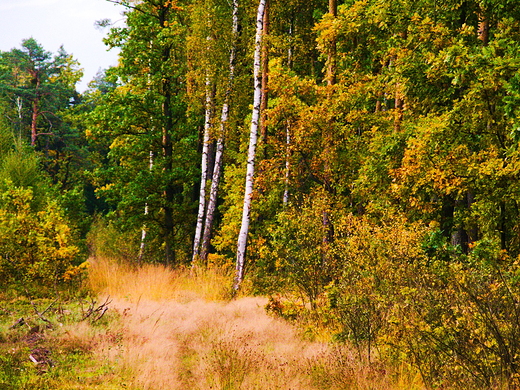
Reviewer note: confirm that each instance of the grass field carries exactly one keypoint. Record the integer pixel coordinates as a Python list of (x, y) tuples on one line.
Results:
[(168, 329)]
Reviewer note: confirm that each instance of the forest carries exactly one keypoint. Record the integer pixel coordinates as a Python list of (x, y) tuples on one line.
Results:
[(356, 161)]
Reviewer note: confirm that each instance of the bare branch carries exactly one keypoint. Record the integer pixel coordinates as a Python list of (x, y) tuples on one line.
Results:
[(124, 4), (95, 313)]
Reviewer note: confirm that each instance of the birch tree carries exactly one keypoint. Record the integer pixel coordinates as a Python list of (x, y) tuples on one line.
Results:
[(251, 154), (204, 164), (219, 152)]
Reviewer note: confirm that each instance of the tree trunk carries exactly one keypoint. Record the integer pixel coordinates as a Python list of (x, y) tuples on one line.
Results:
[(167, 149), (328, 227), (399, 97), (204, 167), (251, 155), (217, 167), (265, 74), (287, 163), (483, 27), (143, 230), (35, 111), (399, 107), (502, 228), (168, 192), (331, 60)]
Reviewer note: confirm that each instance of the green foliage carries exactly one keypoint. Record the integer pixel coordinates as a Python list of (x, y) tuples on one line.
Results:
[(452, 316), (105, 240), (38, 89), (37, 247), (140, 120), (301, 252)]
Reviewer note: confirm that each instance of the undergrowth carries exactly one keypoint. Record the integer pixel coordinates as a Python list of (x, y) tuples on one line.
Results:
[(158, 282), (181, 330), (175, 329), (49, 345)]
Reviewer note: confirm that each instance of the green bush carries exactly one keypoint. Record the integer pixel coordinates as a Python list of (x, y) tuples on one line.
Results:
[(36, 247), (454, 317)]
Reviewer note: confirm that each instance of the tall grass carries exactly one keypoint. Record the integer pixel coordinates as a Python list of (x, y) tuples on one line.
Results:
[(178, 329), (158, 282)]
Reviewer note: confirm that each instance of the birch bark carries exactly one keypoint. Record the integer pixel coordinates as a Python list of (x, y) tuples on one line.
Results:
[(204, 168), (143, 230), (253, 137), (287, 163)]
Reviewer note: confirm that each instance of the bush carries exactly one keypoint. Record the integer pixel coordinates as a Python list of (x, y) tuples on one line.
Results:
[(36, 247), (304, 256), (453, 316)]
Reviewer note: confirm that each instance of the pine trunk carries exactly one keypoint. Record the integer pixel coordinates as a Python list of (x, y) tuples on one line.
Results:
[(483, 27), (35, 111), (251, 155)]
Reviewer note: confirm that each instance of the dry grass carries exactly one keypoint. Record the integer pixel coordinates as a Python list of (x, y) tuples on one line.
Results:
[(177, 331), (157, 282)]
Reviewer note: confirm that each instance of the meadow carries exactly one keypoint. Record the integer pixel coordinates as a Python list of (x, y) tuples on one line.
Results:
[(152, 327)]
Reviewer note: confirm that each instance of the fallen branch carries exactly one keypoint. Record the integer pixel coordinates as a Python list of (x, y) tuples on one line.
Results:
[(19, 322), (95, 313), (40, 315)]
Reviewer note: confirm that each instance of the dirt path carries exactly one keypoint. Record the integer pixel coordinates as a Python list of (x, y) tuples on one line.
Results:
[(211, 345)]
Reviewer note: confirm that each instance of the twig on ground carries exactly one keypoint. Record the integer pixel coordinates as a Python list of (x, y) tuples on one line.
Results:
[(95, 313)]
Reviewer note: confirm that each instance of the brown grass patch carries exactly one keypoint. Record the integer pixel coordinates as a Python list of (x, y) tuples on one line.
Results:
[(178, 331)]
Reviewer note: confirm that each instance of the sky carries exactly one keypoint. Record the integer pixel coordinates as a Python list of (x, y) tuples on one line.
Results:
[(70, 23)]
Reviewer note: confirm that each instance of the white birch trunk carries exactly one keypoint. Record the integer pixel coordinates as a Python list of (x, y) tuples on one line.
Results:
[(217, 168), (204, 169), (287, 163), (143, 230), (251, 154)]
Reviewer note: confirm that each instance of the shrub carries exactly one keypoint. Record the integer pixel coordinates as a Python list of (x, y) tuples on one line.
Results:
[(36, 247), (453, 316)]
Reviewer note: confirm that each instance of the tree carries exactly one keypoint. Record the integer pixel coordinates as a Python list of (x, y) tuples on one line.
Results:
[(146, 111), (251, 154), (40, 87), (224, 123)]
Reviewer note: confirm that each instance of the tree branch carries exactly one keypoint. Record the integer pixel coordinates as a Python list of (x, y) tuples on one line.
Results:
[(118, 2)]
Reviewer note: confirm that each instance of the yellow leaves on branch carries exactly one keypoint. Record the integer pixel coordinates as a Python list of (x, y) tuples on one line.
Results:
[(39, 245), (432, 161)]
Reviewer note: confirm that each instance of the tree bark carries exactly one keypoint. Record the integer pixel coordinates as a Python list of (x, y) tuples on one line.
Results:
[(483, 27), (399, 107), (265, 74), (331, 60), (331, 80), (35, 110), (287, 163), (168, 192), (219, 153), (167, 149), (251, 155), (204, 167), (143, 230)]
